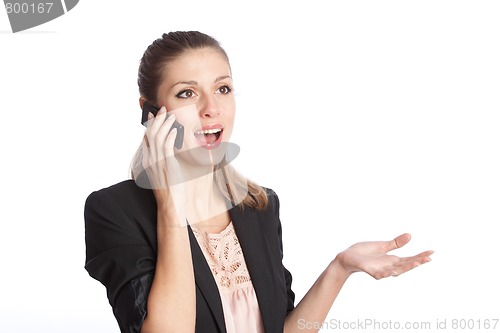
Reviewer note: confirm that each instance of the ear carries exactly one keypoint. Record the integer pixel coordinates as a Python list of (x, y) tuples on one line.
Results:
[(141, 101)]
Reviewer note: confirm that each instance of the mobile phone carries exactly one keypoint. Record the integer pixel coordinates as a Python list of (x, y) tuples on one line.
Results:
[(146, 108)]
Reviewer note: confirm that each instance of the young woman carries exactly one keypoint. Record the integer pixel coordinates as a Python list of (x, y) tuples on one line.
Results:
[(188, 244)]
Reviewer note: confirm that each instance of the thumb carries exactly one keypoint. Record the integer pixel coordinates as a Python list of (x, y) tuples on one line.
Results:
[(146, 162), (398, 242)]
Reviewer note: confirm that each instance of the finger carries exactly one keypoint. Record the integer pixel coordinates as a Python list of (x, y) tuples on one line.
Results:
[(424, 254), (163, 133), (417, 257), (403, 265), (407, 264), (398, 242), (408, 267), (150, 135), (157, 135), (165, 140), (155, 124), (169, 142), (145, 153)]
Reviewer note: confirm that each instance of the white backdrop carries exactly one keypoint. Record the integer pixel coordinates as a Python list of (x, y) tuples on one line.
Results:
[(368, 118)]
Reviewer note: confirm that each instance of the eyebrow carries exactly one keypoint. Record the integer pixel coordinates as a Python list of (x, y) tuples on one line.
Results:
[(194, 83)]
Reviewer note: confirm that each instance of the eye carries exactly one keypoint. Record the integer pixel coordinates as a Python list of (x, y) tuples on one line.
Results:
[(188, 93), (224, 90)]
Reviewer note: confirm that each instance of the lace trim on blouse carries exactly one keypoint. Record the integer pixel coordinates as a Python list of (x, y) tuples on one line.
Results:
[(225, 258)]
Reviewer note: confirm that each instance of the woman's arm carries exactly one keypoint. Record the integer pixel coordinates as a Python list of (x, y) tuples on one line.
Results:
[(171, 303), (317, 302), (172, 298), (369, 257)]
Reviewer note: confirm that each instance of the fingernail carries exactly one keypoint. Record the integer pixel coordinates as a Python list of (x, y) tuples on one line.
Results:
[(162, 109), (150, 115)]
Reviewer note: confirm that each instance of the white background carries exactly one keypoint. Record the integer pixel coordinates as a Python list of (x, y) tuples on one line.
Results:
[(368, 118)]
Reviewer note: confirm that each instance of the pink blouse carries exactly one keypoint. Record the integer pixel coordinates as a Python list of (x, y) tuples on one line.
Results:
[(226, 261)]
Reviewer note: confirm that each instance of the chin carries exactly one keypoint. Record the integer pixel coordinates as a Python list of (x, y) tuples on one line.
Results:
[(203, 157)]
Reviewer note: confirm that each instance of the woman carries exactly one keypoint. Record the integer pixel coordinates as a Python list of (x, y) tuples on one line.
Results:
[(189, 245)]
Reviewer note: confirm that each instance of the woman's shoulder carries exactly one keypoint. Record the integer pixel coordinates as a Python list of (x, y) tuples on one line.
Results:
[(125, 194), (124, 187), (270, 192), (122, 213), (273, 200)]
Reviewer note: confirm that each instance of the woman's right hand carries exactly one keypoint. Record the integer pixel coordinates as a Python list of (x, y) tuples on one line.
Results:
[(172, 297), (163, 169)]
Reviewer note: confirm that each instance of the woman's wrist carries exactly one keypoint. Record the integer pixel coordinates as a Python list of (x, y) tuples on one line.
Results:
[(338, 269), (169, 216)]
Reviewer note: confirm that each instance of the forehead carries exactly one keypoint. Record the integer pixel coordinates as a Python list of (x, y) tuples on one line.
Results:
[(197, 63)]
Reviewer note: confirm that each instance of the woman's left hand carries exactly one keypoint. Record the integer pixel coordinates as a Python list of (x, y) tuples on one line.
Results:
[(372, 258)]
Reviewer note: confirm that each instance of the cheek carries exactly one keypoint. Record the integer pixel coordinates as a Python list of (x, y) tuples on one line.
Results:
[(230, 111), (187, 116), (229, 124), (187, 119)]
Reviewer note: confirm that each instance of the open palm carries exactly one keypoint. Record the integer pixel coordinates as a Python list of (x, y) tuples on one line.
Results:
[(372, 258)]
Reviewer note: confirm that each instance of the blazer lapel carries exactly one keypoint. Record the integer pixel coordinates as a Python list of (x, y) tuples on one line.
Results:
[(253, 243), (206, 283)]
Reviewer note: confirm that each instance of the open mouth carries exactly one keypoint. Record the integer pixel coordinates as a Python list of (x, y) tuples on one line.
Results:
[(209, 136)]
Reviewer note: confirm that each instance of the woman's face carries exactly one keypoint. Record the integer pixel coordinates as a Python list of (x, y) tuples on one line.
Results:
[(197, 88)]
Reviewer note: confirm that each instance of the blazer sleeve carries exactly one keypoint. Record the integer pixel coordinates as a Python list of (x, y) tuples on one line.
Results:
[(119, 255), (274, 200)]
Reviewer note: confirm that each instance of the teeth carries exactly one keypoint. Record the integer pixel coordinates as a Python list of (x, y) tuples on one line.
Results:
[(210, 131)]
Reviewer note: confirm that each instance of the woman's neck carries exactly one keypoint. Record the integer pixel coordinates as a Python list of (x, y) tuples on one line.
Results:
[(204, 200)]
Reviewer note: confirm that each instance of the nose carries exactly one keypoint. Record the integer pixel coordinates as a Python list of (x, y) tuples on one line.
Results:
[(209, 108)]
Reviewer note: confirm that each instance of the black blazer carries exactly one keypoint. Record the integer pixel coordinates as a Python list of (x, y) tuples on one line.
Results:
[(120, 235)]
